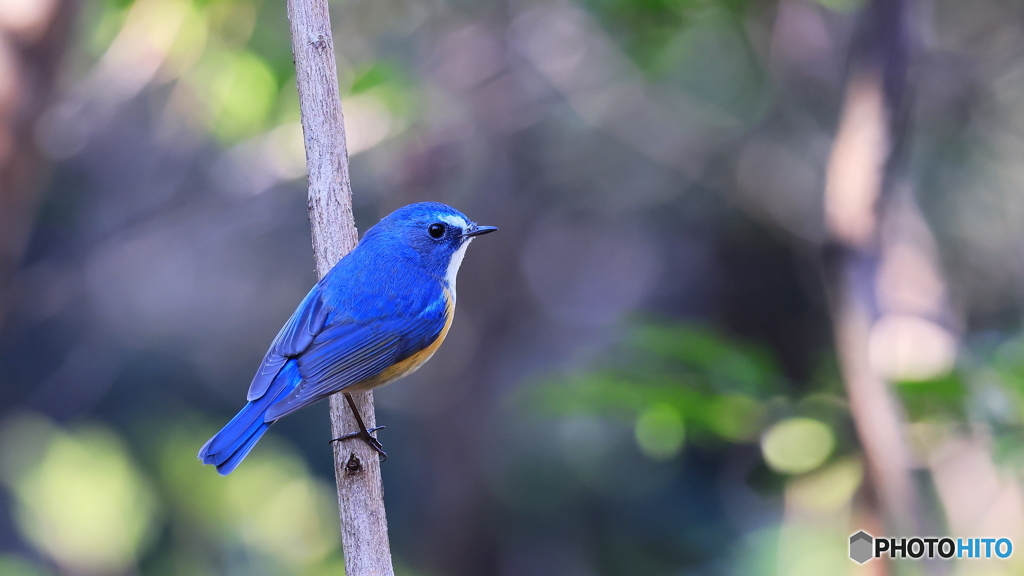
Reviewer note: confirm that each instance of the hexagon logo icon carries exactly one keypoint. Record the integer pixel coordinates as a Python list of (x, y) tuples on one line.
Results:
[(861, 547)]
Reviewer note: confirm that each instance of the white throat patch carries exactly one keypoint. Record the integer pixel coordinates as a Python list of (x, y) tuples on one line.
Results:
[(453, 266)]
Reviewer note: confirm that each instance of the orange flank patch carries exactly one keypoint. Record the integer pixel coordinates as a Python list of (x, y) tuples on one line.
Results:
[(412, 363)]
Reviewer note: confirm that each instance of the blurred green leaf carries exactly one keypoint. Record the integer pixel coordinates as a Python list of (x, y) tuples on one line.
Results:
[(80, 498), (706, 380), (734, 417), (270, 504), (239, 91), (728, 366), (660, 431), (374, 75), (11, 565), (797, 445), (844, 6), (931, 398)]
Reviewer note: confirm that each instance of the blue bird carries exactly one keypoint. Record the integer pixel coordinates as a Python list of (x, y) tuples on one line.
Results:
[(378, 315)]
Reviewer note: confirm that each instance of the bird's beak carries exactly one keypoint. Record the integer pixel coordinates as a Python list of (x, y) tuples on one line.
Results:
[(475, 230)]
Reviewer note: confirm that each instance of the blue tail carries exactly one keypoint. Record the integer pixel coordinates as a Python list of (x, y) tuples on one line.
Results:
[(229, 447)]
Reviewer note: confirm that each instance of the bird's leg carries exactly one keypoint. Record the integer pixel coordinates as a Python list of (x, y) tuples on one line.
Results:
[(363, 433)]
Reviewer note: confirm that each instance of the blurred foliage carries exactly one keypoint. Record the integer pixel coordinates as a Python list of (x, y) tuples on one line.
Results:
[(11, 565), (80, 497), (91, 507), (696, 46), (939, 397), (676, 382), (688, 389), (647, 28), (230, 65), (990, 387)]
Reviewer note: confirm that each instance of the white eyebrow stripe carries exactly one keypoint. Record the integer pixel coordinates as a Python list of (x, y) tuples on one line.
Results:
[(456, 221)]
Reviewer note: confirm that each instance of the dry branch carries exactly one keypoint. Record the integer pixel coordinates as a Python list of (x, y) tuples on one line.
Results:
[(364, 527)]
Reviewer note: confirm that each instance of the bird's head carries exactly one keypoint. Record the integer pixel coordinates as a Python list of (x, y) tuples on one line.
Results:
[(436, 233)]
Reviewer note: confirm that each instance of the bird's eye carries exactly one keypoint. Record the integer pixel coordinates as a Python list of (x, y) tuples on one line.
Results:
[(436, 230)]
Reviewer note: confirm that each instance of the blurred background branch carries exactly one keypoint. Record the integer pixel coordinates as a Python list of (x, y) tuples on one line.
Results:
[(863, 168), (33, 39)]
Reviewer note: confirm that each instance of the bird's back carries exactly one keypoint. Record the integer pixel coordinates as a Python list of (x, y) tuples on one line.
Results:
[(382, 281)]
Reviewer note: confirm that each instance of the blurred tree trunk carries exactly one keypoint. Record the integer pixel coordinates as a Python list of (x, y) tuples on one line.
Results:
[(863, 202), (33, 37)]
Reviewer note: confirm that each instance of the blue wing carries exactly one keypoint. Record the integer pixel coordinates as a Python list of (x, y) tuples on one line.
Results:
[(295, 336), (350, 352)]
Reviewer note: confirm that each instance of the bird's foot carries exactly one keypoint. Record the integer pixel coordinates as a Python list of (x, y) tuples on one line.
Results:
[(363, 433), (366, 436)]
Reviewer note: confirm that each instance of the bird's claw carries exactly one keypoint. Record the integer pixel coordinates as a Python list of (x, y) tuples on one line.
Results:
[(364, 434)]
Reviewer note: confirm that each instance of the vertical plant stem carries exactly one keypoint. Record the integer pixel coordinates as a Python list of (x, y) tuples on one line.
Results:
[(865, 156), (364, 527), (29, 79)]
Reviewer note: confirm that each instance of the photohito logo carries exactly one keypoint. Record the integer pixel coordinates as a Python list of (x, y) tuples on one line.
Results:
[(864, 547)]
